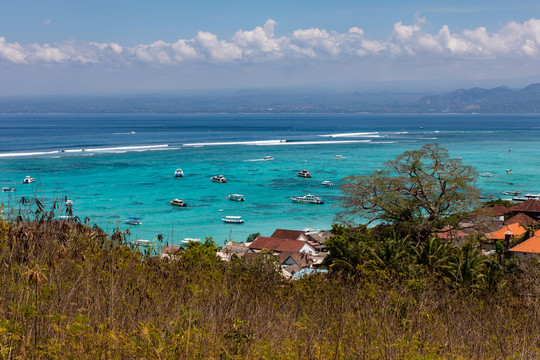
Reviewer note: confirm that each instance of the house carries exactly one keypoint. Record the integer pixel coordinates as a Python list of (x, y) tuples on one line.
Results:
[(231, 249), (520, 218), (281, 245), (498, 212), (527, 248), (171, 252), (450, 234), (507, 232), (529, 207), (288, 258), (290, 234)]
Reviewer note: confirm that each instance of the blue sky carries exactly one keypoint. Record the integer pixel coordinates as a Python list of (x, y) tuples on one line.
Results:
[(115, 46)]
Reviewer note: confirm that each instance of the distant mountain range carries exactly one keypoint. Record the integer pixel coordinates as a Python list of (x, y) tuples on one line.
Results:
[(475, 100)]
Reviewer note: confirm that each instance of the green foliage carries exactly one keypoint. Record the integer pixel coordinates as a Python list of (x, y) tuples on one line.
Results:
[(500, 202), (251, 237)]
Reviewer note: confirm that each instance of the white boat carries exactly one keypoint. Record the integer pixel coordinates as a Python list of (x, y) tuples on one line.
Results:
[(527, 197), (338, 156), (486, 175), (188, 240), (178, 173), (233, 219), (69, 202), (236, 197), (267, 158), (141, 242), (327, 183), (133, 221), (28, 180), (8, 189), (508, 171), (178, 202), (219, 179), (512, 192), (304, 174), (307, 199)]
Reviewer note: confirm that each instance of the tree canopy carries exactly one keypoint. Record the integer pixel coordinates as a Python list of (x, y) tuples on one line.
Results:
[(419, 191)]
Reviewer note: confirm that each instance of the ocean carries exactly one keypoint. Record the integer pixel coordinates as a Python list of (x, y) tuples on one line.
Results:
[(115, 166)]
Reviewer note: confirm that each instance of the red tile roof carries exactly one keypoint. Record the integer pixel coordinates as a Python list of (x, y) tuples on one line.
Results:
[(448, 233), (287, 234), (528, 246), (278, 245), (527, 206), (513, 229), (520, 218), (499, 210)]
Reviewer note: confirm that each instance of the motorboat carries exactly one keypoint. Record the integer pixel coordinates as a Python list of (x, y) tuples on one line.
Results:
[(178, 173), (219, 179), (267, 158), (512, 192), (307, 199), (236, 197), (133, 221), (28, 179), (327, 183), (304, 174), (338, 156), (527, 197), (508, 171), (178, 202), (486, 175), (233, 220), (8, 189), (141, 242), (188, 240), (69, 202)]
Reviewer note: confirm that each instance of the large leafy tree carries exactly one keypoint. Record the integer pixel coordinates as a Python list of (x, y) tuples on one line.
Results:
[(417, 192)]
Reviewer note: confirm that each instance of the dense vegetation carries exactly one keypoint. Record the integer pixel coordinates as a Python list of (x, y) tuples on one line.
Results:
[(392, 292), (73, 292)]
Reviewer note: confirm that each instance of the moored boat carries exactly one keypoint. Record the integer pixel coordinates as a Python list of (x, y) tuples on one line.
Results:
[(28, 179), (486, 175), (304, 174), (327, 183), (307, 199), (512, 192), (8, 189), (178, 202), (236, 197), (338, 156), (219, 179), (233, 219), (527, 197), (178, 173), (133, 220)]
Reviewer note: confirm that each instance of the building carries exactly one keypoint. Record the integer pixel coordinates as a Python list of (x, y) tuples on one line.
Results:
[(279, 245), (527, 248)]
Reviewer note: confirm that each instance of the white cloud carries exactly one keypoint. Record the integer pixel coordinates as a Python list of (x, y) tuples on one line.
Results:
[(512, 41)]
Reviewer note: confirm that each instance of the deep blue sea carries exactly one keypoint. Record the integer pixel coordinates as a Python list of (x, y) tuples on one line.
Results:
[(121, 165)]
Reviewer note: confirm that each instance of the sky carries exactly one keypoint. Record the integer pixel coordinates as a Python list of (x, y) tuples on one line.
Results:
[(54, 47)]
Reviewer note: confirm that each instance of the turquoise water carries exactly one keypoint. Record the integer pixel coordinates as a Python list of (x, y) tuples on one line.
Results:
[(127, 166)]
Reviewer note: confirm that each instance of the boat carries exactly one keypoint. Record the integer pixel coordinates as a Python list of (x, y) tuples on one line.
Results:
[(486, 175), (512, 192), (178, 202), (141, 242), (233, 219), (508, 171), (28, 180), (236, 197), (178, 173), (267, 158), (219, 179), (133, 221), (8, 189), (307, 199), (327, 183), (69, 202), (304, 174), (338, 156), (527, 197), (188, 240)]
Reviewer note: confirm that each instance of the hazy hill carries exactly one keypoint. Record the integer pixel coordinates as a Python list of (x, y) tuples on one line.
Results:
[(477, 100)]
